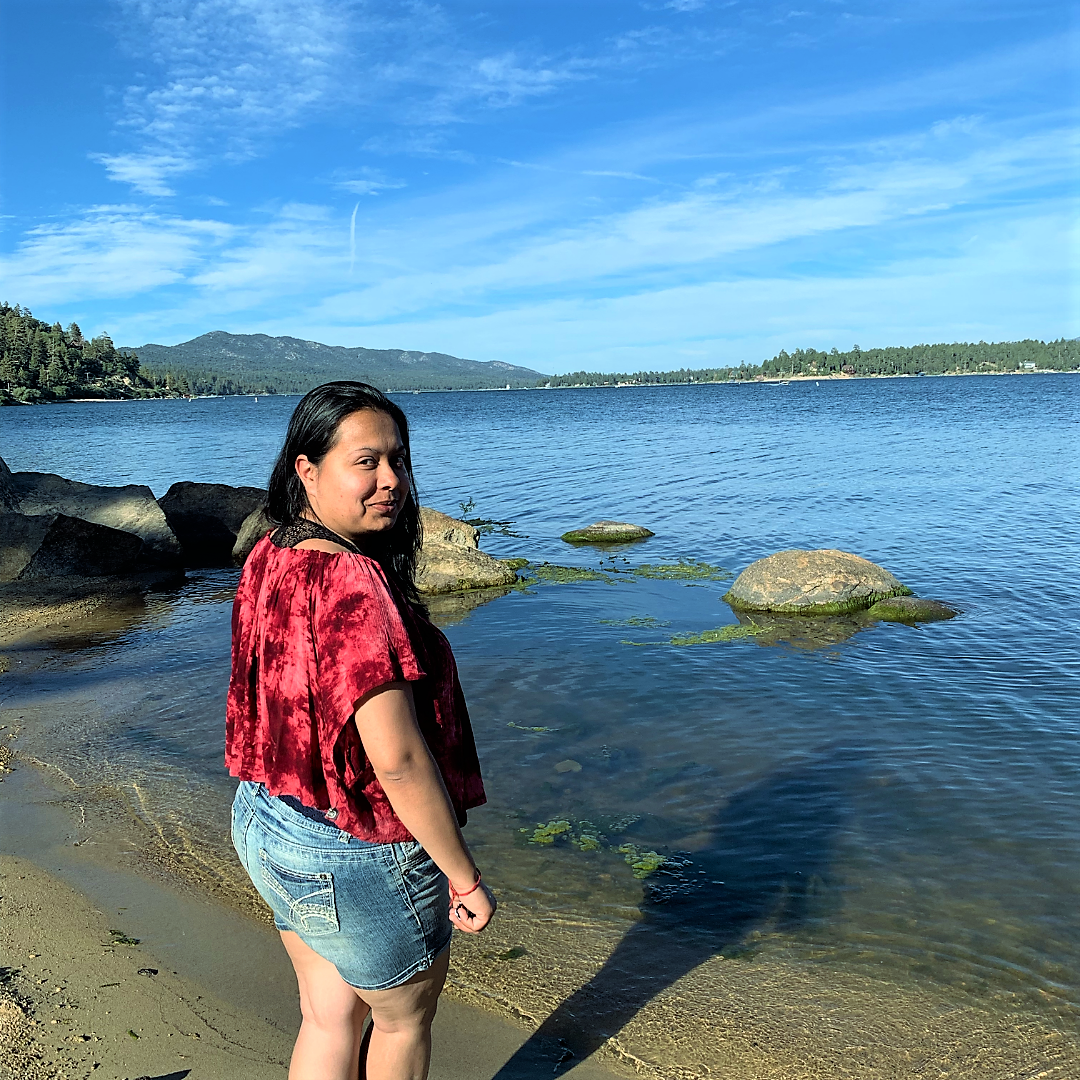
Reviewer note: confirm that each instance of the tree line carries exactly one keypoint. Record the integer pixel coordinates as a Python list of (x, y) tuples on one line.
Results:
[(42, 362), (960, 358)]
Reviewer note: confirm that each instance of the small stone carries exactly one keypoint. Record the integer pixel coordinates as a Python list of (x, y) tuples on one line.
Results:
[(607, 532), (569, 765), (911, 609)]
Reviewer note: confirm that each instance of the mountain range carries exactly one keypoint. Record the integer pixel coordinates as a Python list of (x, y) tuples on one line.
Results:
[(219, 362)]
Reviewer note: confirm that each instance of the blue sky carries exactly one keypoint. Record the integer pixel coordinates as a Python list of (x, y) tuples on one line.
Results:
[(603, 184)]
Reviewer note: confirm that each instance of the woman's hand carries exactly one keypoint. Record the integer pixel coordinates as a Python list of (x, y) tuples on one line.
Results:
[(473, 912)]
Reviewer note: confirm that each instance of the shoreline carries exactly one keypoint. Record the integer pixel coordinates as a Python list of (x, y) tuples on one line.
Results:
[(758, 379), (115, 970)]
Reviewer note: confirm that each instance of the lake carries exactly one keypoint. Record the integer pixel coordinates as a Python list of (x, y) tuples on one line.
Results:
[(883, 802)]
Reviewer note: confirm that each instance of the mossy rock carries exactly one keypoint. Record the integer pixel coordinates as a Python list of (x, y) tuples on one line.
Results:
[(911, 609), (822, 582), (608, 532)]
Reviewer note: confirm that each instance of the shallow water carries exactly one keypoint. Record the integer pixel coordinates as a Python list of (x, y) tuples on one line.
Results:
[(896, 801)]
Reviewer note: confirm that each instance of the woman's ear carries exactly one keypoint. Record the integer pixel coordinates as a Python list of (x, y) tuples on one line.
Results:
[(307, 470)]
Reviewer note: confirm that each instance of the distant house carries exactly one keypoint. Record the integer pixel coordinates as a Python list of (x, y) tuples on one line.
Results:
[(1029, 367)]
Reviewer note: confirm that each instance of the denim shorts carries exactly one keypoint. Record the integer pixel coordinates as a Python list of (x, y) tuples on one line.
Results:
[(378, 912)]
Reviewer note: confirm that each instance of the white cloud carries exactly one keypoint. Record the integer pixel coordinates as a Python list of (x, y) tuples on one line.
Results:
[(146, 173)]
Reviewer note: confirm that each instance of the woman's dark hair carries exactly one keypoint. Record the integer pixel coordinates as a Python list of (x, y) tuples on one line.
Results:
[(313, 430)]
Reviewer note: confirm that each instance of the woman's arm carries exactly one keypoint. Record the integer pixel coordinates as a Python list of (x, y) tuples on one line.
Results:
[(411, 779)]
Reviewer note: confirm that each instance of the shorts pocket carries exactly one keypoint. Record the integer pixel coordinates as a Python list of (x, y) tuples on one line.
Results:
[(307, 898)]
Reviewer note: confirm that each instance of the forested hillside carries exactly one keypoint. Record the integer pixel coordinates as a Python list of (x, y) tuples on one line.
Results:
[(221, 363), (42, 361), (960, 358)]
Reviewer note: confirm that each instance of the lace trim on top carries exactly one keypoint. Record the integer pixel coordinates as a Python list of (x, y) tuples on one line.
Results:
[(289, 536)]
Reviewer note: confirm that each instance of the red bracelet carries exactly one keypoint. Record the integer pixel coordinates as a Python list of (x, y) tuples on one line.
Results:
[(468, 892)]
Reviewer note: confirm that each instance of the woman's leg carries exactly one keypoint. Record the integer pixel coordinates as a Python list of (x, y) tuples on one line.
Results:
[(328, 1046), (399, 1047)]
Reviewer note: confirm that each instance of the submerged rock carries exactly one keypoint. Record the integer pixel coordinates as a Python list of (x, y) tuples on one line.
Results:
[(822, 582), (206, 519), (131, 508), (42, 547), (607, 532), (911, 609)]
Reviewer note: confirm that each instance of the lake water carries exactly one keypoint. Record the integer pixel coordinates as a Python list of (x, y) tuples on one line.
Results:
[(883, 801)]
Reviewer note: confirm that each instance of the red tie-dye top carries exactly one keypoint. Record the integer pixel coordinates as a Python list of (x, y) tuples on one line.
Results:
[(313, 633)]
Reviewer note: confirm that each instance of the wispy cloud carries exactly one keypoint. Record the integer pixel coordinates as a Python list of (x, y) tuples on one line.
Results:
[(227, 76)]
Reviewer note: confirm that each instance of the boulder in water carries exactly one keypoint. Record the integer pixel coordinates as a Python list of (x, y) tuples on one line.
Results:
[(131, 509), (607, 532), (822, 582), (206, 519), (43, 547)]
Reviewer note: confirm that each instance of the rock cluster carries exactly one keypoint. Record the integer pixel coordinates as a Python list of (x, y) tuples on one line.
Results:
[(52, 528)]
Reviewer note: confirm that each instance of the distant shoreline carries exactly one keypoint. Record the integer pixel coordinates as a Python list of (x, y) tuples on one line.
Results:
[(757, 380)]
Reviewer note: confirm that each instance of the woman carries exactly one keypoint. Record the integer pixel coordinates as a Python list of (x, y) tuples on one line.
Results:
[(350, 736)]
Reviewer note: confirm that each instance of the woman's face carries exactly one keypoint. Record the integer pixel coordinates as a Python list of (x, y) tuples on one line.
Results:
[(361, 484)]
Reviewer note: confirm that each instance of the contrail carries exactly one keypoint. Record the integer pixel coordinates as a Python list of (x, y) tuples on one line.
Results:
[(352, 239)]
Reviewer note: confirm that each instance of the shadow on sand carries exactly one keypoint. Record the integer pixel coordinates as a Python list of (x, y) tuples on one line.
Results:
[(765, 860)]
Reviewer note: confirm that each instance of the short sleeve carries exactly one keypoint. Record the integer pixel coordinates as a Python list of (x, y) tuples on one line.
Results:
[(360, 640)]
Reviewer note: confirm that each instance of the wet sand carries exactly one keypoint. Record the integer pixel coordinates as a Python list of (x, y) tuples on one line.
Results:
[(79, 863)]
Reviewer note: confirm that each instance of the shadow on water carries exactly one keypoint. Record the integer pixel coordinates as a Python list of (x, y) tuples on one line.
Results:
[(764, 862)]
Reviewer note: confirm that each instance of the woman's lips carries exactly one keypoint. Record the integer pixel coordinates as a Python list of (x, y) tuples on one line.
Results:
[(383, 507)]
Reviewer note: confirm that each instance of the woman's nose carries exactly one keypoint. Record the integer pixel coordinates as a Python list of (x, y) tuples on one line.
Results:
[(388, 476)]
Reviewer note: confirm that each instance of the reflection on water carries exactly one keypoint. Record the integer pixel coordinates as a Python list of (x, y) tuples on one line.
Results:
[(856, 799)]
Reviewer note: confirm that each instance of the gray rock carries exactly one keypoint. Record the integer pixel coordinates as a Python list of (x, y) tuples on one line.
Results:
[(447, 568), (911, 609), (206, 519), (823, 582), (131, 509), (451, 561), (253, 528), (607, 532), (442, 528), (42, 547)]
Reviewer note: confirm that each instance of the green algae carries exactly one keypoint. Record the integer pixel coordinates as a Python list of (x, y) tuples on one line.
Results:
[(683, 570), (515, 564), (846, 607), (642, 862), (532, 730), (732, 632), (553, 574), (547, 833), (645, 622)]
